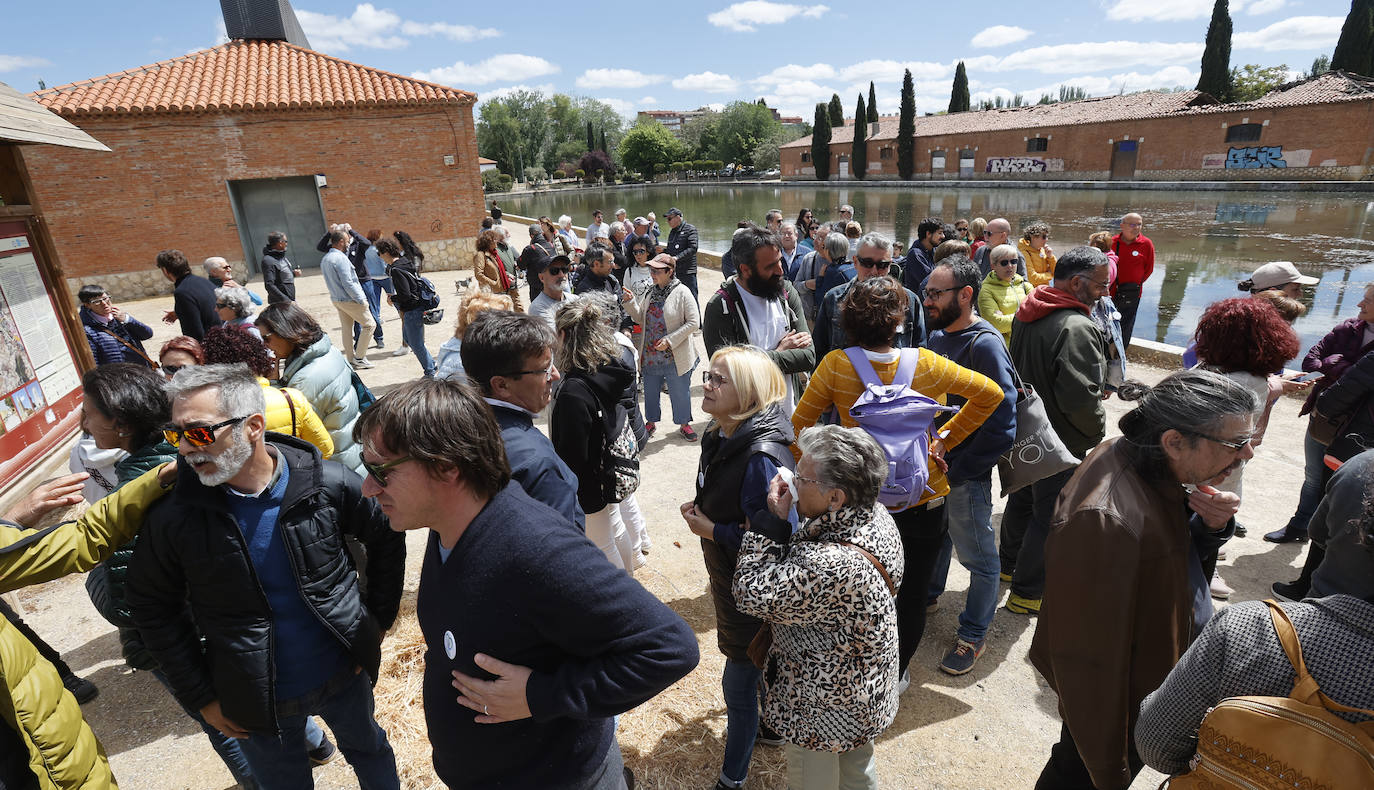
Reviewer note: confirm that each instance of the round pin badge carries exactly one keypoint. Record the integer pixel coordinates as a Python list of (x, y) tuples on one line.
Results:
[(450, 645)]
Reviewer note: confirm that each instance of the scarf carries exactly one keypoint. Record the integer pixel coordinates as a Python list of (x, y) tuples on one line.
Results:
[(506, 283), (659, 295)]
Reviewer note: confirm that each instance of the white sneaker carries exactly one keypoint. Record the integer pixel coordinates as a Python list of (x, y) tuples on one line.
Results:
[(1220, 589), (400, 352), (904, 683), (362, 364)]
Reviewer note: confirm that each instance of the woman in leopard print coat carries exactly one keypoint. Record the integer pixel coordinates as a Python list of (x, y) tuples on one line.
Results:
[(831, 675)]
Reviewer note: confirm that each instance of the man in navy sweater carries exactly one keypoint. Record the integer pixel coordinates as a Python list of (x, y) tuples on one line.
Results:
[(509, 356), (534, 640), (963, 337)]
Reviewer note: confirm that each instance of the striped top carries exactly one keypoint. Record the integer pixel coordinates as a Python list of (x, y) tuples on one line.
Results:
[(835, 382)]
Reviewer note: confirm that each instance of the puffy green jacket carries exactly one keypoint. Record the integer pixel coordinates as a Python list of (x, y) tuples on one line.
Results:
[(322, 374), (63, 752), (998, 301)]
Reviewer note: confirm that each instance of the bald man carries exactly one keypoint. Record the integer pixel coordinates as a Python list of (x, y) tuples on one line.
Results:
[(998, 231), (1135, 256)]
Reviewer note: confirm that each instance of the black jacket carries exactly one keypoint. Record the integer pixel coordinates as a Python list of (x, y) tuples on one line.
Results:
[(582, 412), (682, 245), (278, 276), (193, 299), (356, 252), (406, 281), (191, 550)]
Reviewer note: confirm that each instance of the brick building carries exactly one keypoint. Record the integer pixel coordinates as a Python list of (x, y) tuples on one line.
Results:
[(1320, 129), (215, 149)]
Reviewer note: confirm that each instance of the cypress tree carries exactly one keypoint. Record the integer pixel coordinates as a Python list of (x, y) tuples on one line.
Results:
[(858, 155), (872, 104), (603, 147), (1355, 48), (1216, 57), (906, 130), (591, 142), (836, 111), (820, 143), (958, 96)]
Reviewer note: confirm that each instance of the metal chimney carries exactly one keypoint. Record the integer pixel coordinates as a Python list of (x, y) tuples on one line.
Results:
[(262, 20)]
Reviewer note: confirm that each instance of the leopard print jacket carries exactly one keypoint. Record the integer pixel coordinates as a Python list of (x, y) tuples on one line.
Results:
[(831, 679)]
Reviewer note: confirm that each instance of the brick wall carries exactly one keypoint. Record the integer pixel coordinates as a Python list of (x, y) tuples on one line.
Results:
[(164, 185)]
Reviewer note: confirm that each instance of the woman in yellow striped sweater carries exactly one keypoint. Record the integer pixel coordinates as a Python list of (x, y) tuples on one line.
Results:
[(872, 316)]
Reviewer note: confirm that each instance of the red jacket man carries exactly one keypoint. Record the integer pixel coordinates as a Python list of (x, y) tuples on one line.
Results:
[(1135, 263)]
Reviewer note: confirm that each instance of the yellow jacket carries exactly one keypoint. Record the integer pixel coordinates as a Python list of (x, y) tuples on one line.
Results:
[(304, 425), (1039, 263), (63, 752)]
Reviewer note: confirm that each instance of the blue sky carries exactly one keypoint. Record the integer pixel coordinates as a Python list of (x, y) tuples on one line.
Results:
[(676, 55)]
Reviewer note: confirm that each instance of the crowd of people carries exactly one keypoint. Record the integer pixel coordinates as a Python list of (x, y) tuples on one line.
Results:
[(249, 495)]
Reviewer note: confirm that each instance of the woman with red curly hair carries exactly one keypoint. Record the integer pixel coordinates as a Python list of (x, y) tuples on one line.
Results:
[(1247, 341)]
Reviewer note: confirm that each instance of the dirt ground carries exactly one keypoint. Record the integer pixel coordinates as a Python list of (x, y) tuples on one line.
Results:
[(991, 728)]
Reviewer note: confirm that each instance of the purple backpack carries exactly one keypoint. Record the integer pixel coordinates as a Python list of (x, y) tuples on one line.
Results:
[(898, 418)]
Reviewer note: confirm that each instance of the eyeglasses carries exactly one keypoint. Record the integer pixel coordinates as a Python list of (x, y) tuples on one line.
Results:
[(1237, 446), (102, 300), (713, 379), (872, 263), (1105, 285), (641, 252), (198, 436), (935, 293), (171, 370), (811, 480), (547, 372), (379, 471), (223, 304)]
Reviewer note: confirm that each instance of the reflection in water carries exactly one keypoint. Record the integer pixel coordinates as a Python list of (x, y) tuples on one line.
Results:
[(1206, 242)]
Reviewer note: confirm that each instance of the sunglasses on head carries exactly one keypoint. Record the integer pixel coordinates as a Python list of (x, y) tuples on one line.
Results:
[(198, 436), (379, 471)]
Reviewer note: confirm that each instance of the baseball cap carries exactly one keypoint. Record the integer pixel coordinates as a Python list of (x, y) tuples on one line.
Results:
[(641, 221), (1273, 275), (673, 212), (663, 261)]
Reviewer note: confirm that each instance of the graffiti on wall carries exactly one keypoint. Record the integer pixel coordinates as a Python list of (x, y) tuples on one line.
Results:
[(1024, 164), (1257, 156)]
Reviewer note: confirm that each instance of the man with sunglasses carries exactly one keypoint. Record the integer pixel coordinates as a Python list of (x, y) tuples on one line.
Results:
[(557, 289), (244, 590), (874, 259), (1060, 352)]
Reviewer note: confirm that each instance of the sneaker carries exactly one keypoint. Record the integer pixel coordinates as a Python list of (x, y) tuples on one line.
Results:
[(362, 364), (687, 433), (961, 658), (904, 682), (1286, 535), (1289, 591), (1241, 531), (379, 345), (640, 561), (1004, 576), (1221, 554), (649, 428), (400, 352), (324, 753), (1220, 589), (932, 606), (767, 737), (81, 688), (646, 545), (1018, 605)]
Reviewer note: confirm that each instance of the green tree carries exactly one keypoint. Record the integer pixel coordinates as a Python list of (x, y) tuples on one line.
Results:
[(1320, 65), (1252, 81), (649, 144), (604, 147), (836, 116), (591, 141), (1216, 55), (1355, 48), (872, 104), (820, 143), (741, 129), (567, 152), (958, 95), (699, 134), (906, 130), (498, 135), (491, 181), (858, 154), (514, 129)]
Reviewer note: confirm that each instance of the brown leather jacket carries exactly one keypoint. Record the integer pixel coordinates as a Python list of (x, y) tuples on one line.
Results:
[(489, 276), (1118, 602)]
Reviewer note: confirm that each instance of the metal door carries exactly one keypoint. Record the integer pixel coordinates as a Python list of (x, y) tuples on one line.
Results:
[(966, 162), (291, 205), (844, 166), (1123, 160)]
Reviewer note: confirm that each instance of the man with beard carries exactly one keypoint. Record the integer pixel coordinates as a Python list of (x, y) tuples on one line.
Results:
[(556, 289), (961, 336), (244, 592), (1124, 591), (1058, 350), (874, 259), (760, 308)]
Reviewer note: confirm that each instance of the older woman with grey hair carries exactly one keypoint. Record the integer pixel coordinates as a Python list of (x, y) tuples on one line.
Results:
[(828, 593), (235, 308)]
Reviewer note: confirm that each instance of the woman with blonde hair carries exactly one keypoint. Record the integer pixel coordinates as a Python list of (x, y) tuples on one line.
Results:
[(950, 247), (1034, 246), (586, 417), (975, 231), (491, 269), (745, 445), (450, 364)]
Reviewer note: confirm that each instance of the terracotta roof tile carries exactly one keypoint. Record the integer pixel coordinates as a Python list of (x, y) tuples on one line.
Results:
[(256, 75)]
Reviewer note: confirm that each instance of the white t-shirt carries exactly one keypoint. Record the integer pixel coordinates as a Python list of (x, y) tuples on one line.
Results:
[(767, 320), (545, 307)]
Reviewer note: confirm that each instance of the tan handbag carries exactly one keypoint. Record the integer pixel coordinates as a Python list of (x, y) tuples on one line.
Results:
[(1282, 743)]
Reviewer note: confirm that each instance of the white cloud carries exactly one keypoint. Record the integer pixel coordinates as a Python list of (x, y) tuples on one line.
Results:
[(742, 17), (799, 97), (892, 70), (1264, 7), (1000, 36), (378, 28), (1299, 32), (453, 32), (793, 73), (1067, 58), (648, 101), (1159, 10), (13, 62), (597, 79), (1125, 82), (497, 68), (707, 81), (626, 109), (717, 106)]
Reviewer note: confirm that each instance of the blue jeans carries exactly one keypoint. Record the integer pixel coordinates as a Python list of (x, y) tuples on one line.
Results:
[(1314, 477), (227, 748), (969, 516), (373, 290), (413, 335), (740, 682), (679, 393), (280, 761)]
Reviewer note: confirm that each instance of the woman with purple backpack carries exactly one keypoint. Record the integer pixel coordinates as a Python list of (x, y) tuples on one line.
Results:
[(873, 313)]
